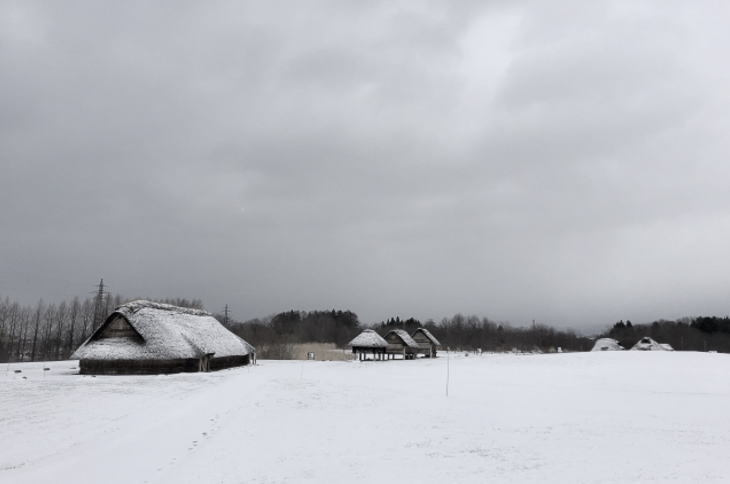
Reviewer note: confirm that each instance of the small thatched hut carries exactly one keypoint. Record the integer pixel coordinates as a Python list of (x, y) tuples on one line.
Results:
[(368, 342), (427, 342), (143, 337), (401, 343), (606, 344), (648, 344)]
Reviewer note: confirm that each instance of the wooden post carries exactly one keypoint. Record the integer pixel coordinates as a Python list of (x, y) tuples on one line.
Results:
[(447, 371)]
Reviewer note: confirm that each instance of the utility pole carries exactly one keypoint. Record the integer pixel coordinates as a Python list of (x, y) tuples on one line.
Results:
[(225, 316)]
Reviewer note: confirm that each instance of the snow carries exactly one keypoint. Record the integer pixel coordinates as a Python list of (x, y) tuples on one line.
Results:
[(607, 344), (169, 332), (596, 417), (368, 339)]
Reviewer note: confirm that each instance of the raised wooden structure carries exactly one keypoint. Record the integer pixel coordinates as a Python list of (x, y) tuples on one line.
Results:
[(427, 342), (143, 337), (400, 343), (368, 342)]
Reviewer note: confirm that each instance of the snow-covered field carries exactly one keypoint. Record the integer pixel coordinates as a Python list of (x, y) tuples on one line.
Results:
[(589, 417)]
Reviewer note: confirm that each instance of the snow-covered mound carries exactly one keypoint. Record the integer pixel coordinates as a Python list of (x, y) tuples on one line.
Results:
[(607, 344), (648, 344)]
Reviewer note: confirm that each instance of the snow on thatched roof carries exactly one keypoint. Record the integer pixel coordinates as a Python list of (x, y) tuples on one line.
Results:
[(648, 344), (368, 339), (428, 335), (405, 337), (607, 344), (167, 332)]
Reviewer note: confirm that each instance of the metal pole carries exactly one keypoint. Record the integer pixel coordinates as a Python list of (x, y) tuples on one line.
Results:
[(447, 370)]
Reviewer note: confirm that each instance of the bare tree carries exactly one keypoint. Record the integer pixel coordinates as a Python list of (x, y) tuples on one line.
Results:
[(39, 310), (48, 318), (72, 325), (26, 326), (60, 316), (87, 311)]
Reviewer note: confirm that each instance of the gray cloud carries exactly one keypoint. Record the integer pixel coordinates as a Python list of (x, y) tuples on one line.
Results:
[(564, 162)]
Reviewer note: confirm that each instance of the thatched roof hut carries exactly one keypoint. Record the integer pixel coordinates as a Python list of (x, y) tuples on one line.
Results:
[(368, 342), (142, 337), (368, 339), (648, 344), (606, 344), (400, 342), (426, 341)]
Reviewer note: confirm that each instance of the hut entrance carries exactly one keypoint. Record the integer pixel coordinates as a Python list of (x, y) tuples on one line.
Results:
[(205, 362)]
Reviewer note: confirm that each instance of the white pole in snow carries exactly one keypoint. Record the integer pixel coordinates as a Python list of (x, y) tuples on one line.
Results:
[(447, 371)]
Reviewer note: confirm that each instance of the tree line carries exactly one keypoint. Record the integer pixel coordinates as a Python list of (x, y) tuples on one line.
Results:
[(53, 331), (703, 333), (274, 336), (48, 331), (470, 333)]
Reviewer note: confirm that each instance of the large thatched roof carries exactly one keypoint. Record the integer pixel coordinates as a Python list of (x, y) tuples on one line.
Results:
[(368, 339), (404, 337), (428, 335), (165, 332)]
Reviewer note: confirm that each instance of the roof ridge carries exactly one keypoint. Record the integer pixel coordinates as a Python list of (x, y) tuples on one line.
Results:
[(138, 304)]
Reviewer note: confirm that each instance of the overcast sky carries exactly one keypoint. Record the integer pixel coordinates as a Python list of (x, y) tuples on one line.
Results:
[(564, 161)]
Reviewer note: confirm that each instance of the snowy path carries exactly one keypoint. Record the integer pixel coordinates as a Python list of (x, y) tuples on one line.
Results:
[(617, 417)]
